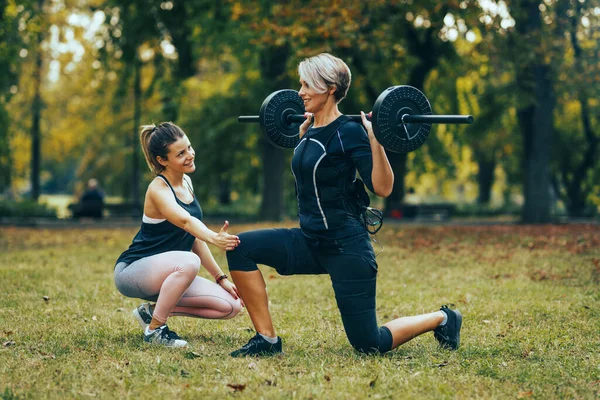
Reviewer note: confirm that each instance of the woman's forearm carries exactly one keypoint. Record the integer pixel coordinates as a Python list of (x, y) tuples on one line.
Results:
[(206, 258), (200, 231)]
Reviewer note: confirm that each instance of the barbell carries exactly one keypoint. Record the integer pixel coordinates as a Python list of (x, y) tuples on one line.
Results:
[(401, 118)]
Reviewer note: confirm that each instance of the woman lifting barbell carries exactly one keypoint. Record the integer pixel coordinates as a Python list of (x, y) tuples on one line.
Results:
[(332, 238)]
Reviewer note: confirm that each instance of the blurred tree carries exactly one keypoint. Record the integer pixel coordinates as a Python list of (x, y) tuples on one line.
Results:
[(486, 91), (136, 36), (10, 45), (40, 28), (536, 102), (265, 26), (579, 83)]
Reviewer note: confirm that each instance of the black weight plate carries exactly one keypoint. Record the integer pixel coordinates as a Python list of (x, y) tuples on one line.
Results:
[(388, 128), (272, 117)]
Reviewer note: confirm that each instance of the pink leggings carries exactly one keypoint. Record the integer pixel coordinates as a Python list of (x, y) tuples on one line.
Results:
[(170, 280)]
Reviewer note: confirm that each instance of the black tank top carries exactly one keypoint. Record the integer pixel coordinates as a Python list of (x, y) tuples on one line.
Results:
[(154, 239)]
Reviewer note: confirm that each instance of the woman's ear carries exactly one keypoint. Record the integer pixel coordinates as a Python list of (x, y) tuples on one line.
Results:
[(332, 89), (162, 161)]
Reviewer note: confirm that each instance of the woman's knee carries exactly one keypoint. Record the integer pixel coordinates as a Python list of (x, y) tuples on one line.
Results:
[(236, 307), (379, 341), (188, 264), (367, 345), (239, 259)]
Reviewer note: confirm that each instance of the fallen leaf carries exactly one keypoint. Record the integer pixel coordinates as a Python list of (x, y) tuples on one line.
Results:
[(486, 321), (8, 343), (237, 387), (94, 318), (327, 378), (522, 395), (184, 373), (252, 365), (192, 354), (372, 383), (442, 364), (46, 298)]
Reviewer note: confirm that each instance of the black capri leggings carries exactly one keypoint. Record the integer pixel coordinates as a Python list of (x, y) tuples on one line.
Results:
[(347, 256)]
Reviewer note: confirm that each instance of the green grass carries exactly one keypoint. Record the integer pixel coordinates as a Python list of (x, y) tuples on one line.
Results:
[(529, 295)]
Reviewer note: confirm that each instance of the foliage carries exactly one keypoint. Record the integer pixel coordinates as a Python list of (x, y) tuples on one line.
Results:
[(25, 209), (529, 296), (202, 63)]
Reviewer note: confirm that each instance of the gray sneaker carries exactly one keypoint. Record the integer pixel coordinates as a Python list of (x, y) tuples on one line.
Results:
[(143, 315), (163, 336)]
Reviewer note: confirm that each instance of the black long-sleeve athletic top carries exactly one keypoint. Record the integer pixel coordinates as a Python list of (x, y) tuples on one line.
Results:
[(324, 167)]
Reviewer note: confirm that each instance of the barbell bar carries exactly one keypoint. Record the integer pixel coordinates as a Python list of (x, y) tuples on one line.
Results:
[(401, 118), (432, 119)]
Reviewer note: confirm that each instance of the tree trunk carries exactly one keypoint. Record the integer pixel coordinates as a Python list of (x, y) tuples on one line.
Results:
[(36, 114), (485, 180), (576, 192), (273, 70), (536, 123), (135, 143), (5, 155), (538, 143), (393, 203), (225, 189)]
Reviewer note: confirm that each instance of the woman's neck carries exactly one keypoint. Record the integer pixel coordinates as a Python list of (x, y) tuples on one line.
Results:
[(175, 178), (326, 115)]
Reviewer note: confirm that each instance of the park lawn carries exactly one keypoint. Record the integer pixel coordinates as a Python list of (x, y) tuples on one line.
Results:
[(529, 295)]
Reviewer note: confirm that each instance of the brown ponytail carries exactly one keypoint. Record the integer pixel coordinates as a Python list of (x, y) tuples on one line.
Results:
[(155, 141)]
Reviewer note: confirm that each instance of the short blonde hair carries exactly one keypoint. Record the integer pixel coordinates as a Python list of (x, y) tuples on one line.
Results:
[(323, 71)]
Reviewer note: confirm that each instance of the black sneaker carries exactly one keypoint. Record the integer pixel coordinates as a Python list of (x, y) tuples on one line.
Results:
[(258, 346), (448, 335), (163, 336), (143, 315)]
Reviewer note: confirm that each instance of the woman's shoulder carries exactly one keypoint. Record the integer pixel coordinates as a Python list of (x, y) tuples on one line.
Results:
[(352, 130), (157, 185)]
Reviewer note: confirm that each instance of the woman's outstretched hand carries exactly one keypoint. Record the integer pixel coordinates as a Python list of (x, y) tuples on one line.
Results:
[(224, 240)]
